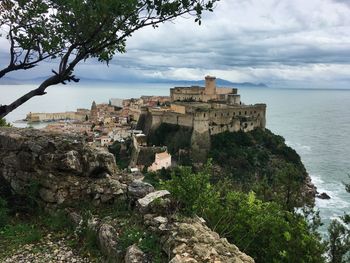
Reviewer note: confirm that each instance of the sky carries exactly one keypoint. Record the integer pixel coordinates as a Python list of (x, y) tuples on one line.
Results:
[(277, 42)]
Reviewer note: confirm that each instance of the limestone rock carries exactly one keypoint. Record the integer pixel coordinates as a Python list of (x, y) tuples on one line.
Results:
[(66, 169), (134, 255), (144, 203), (138, 189), (193, 241), (107, 237)]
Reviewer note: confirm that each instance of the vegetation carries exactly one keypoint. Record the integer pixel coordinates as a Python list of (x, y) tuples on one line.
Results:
[(176, 138), (122, 152), (339, 238), (21, 225), (262, 162), (263, 230), (3, 123), (74, 31)]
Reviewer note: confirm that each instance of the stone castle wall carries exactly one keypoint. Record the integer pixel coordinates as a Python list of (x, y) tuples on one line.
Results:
[(37, 117), (216, 118)]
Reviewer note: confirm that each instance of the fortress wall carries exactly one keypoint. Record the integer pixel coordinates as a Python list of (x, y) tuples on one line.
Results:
[(178, 108), (55, 116), (200, 140), (226, 91), (185, 120), (233, 126), (177, 119)]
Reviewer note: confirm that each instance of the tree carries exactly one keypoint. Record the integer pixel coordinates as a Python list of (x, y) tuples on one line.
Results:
[(4, 123), (29, 32), (339, 237), (76, 30)]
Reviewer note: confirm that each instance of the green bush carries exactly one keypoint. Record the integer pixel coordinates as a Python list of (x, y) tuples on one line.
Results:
[(264, 230)]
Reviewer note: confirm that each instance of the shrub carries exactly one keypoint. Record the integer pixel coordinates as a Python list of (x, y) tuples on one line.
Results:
[(264, 230), (3, 213)]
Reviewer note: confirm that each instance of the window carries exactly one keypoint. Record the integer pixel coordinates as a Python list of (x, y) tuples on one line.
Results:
[(239, 113), (245, 113)]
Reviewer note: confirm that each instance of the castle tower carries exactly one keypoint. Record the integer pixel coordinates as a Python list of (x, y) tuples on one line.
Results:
[(93, 112), (210, 85)]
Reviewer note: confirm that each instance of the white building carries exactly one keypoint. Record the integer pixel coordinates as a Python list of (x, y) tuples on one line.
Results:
[(162, 160)]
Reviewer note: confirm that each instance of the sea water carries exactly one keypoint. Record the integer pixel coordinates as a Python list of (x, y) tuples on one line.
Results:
[(316, 123)]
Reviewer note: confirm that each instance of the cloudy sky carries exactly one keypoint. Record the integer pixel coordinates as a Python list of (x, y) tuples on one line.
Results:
[(278, 42)]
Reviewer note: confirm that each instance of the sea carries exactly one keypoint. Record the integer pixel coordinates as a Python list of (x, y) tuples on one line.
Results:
[(315, 122)]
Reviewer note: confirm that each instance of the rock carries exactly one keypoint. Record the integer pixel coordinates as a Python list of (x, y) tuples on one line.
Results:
[(70, 162), (107, 238), (67, 169), (138, 189), (47, 195), (191, 241), (323, 196), (134, 255), (144, 203)]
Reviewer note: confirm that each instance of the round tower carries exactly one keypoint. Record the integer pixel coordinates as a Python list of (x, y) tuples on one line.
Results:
[(210, 85)]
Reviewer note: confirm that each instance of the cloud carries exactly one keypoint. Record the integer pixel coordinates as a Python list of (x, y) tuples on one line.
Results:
[(242, 40)]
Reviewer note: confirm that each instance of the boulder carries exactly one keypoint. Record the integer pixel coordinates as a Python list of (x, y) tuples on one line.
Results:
[(134, 255), (138, 189), (323, 196), (144, 203), (107, 239)]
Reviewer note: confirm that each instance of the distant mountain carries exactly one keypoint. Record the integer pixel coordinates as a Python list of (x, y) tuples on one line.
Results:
[(219, 82), (8, 81)]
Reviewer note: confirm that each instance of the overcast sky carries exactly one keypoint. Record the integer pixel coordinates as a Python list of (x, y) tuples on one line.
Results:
[(271, 41)]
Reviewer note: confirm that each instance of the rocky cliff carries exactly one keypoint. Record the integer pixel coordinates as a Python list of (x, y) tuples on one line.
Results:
[(67, 171)]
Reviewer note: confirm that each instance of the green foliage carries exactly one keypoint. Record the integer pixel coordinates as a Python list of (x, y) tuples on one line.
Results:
[(192, 190), (57, 221), (121, 152), (261, 161), (4, 217), (175, 137), (264, 230), (19, 234), (339, 240), (339, 237), (3, 123)]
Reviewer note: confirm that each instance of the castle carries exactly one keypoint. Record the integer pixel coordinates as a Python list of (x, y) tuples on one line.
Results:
[(207, 110)]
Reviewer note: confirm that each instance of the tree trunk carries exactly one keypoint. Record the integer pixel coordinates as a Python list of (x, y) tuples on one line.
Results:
[(6, 109)]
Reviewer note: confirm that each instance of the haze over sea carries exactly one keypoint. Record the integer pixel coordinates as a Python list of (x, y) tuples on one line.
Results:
[(316, 123)]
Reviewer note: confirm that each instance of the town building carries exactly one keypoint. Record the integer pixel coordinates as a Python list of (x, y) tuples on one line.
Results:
[(161, 160)]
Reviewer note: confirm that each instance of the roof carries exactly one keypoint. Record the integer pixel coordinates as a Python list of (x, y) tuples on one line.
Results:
[(163, 155)]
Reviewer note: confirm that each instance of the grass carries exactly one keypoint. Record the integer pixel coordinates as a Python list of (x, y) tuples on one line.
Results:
[(17, 230)]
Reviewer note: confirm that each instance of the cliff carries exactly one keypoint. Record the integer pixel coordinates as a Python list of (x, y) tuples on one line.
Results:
[(68, 172)]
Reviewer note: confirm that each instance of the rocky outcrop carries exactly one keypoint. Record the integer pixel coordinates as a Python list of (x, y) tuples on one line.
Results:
[(193, 241), (64, 168)]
